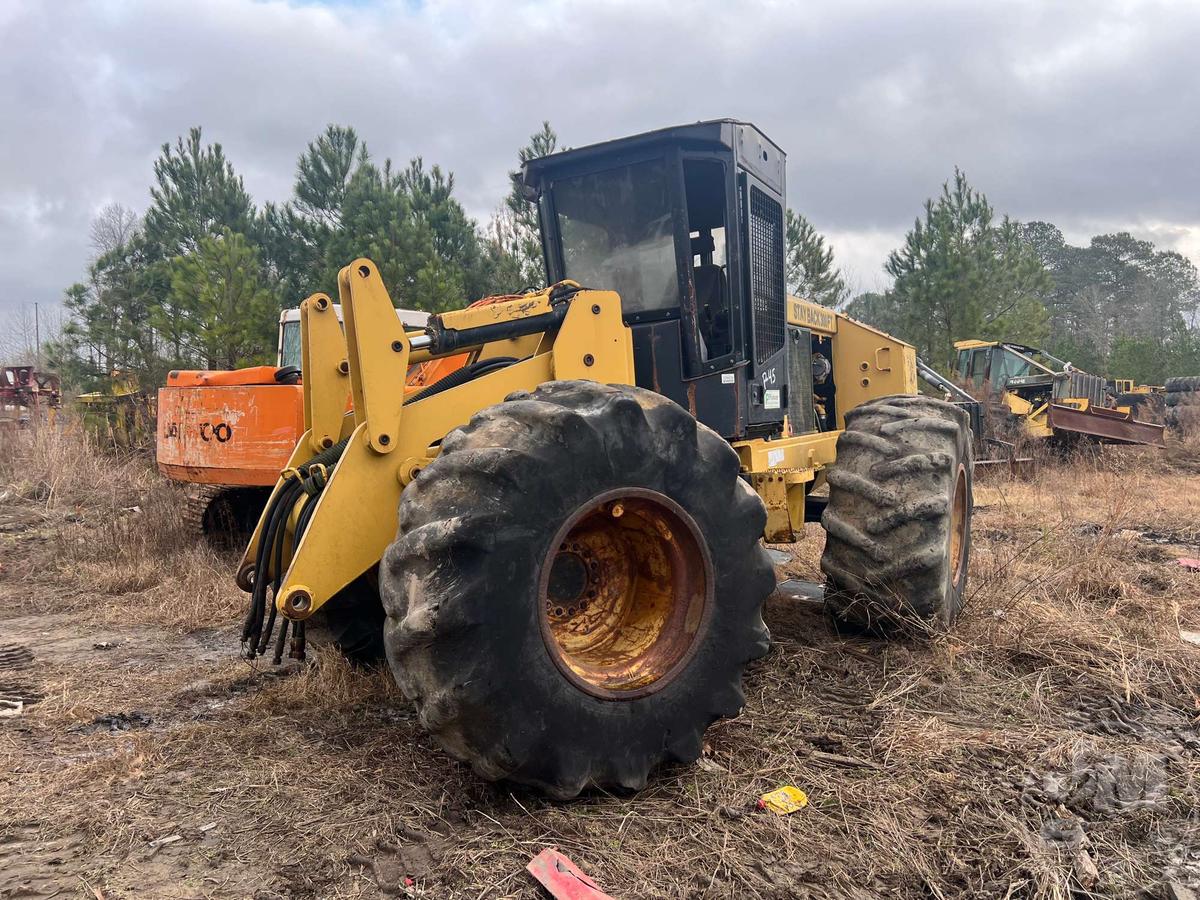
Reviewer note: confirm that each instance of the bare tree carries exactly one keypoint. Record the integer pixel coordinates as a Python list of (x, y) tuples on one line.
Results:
[(113, 227), (20, 331)]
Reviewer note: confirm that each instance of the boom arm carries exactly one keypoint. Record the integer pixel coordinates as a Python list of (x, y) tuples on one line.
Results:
[(354, 517)]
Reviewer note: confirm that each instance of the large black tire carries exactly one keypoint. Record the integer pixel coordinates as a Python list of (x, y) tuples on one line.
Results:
[(1182, 398), (352, 620), (898, 523), (1149, 407), (1182, 384), (467, 586)]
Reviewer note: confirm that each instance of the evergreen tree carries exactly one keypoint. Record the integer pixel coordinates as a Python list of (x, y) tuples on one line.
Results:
[(451, 273), (196, 195), (1118, 306), (109, 315), (296, 235), (411, 225), (514, 231), (961, 275), (223, 316), (197, 203), (810, 272), (881, 310), (378, 223)]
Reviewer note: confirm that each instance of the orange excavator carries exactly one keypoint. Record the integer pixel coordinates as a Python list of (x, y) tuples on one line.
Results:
[(227, 434)]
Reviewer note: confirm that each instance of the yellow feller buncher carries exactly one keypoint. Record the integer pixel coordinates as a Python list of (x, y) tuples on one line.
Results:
[(119, 417), (574, 581), (1033, 395)]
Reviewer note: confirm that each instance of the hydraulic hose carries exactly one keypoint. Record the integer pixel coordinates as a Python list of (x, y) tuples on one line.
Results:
[(462, 376), (276, 518), (310, 478)]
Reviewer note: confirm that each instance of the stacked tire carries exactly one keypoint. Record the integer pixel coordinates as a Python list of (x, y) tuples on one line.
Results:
[(1183, 403)]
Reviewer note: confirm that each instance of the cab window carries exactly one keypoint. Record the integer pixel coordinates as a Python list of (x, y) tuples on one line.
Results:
[(617, 233), (1009, 365), (979, 365), (964, 360), (289, 344), (704, 189)]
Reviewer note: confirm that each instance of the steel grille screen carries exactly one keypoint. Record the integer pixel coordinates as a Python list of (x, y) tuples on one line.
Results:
[(766, 273), (800, 380)]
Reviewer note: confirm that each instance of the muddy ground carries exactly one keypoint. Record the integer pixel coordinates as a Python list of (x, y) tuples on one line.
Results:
[(1048, 747)]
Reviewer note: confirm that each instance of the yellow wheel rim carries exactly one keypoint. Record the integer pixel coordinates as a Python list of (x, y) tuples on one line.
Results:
[(624, 593), (958, 526)]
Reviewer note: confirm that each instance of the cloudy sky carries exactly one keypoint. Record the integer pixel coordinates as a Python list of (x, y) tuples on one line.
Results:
[(1086, 114)]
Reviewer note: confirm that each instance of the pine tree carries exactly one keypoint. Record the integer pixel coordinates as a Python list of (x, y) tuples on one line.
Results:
[(223, 316), (962, 275), (196, 195), (514, 231), (450, 274), (418, 235), (811, 273), (296, 235)]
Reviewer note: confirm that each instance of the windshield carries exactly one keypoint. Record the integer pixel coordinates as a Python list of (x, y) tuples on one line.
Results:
[(289, 344), (1035, 360), (617, 234), (1051, 362), (1006, 364)]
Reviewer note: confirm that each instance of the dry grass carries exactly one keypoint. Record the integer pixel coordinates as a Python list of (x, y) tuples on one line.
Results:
[(104, 536), (1056, 725)]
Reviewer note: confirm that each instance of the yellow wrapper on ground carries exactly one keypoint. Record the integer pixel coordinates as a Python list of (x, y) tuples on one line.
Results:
[(784, 800)]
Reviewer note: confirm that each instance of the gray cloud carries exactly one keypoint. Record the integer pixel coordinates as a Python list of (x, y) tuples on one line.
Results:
[(1083, 113)]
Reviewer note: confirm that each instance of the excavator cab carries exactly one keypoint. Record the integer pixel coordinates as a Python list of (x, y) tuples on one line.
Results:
[(687, 225)]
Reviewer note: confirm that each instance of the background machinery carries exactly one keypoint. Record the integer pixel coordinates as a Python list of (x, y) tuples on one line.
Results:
[(226, 434), (575, 581), (27, 395), (1147, 402), (118, 416), (1031, 395)]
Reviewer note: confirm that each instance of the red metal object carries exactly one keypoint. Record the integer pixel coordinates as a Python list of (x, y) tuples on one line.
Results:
[(1106, 425), (24, 386), (562, 878), (25, 394)]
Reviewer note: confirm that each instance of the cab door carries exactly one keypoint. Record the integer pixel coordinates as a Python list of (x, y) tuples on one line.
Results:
[(762, 228)]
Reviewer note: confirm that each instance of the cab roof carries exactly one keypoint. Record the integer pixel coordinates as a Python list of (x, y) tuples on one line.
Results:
[(732, 134)]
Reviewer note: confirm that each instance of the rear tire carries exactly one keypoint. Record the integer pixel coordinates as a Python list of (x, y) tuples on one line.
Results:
[(898, 524), (507, 537), (352, 620)]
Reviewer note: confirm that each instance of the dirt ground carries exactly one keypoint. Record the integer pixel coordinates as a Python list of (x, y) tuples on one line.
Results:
[(1049, 746)]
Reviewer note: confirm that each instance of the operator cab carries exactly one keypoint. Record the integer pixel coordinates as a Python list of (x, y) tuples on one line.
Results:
[(1029, 372), (687, 225), (995, 365), (289, 353)]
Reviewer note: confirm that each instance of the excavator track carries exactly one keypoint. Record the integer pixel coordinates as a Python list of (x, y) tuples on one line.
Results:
[(224, 516), (199, 498)]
